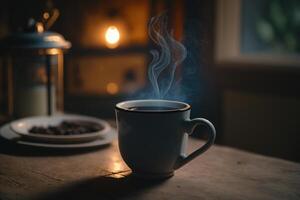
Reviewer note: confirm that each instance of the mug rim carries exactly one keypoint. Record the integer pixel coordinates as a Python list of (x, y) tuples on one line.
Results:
[(120, 106)]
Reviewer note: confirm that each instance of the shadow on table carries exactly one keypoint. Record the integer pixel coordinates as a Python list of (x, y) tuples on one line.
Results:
[(11, 148), (104, 188)]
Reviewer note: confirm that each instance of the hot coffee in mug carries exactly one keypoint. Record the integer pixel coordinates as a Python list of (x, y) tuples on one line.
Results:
[(152, 136)]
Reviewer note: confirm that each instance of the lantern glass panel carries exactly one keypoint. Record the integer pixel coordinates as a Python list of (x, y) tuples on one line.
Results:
[(30, 84)]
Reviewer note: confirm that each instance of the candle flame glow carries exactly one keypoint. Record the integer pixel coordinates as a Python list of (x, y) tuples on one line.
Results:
[(112, 36)]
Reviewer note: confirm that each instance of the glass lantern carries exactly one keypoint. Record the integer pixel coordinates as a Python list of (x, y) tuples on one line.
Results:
[(33, 72)]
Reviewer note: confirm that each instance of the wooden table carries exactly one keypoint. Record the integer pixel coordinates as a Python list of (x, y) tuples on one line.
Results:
[(220, 173)]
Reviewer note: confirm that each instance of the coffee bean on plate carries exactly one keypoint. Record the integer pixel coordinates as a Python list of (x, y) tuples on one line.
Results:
[(68, 127)]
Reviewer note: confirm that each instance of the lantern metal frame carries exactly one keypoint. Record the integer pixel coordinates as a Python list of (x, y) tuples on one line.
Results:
[(35, 43)]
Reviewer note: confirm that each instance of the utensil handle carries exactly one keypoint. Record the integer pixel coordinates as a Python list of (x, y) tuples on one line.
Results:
[(189, 126)]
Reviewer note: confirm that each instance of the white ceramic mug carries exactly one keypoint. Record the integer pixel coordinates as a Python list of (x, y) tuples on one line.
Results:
[(152, 141)]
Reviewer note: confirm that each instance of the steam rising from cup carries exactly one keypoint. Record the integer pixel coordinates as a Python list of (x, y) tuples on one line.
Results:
[(171, 53)]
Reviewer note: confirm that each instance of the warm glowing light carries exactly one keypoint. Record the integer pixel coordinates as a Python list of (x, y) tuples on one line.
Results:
[(117, 166), (53, 51), (46, 15), (112, 88), (112, 36), (40, 27)]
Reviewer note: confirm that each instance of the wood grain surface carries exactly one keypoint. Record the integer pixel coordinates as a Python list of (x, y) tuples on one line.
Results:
[(220, 173)]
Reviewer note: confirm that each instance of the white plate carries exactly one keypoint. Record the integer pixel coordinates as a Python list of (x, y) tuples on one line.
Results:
[(23, 126), (7, 133)]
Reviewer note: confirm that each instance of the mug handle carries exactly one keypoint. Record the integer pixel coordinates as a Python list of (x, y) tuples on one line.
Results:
[(189, 127)]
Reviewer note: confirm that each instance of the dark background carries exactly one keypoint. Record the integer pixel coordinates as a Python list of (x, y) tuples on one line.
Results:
[(255, 107)]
